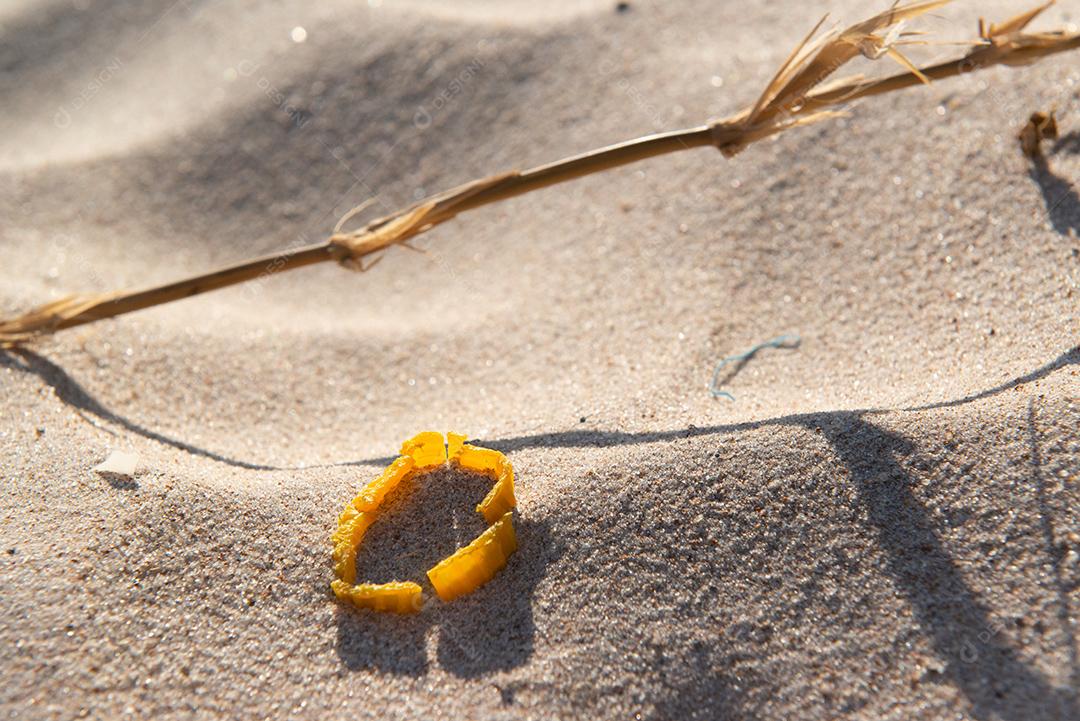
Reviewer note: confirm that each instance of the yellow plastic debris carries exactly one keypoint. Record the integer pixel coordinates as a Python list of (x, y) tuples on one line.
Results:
[(463, 572), (500, 499), (454, 442), (426, 449), (372, 495), (346, 540), (397, 596), (481, 460), (476, 564), (347, 515), (493, 463), (345, 562), (352, 531)]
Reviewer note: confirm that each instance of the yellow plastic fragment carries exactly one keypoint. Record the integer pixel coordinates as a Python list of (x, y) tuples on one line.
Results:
[(426, 449), (493, 463), (346, 540), (482, 460), (455, 442), (347, 514), (476, 564), (397, 596), (464, 571), (342, 589), (372, 495), (345, 562), (352, 531), (500, 499)]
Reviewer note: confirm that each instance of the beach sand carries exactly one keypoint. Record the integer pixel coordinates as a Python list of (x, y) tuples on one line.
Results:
[(883, 524)]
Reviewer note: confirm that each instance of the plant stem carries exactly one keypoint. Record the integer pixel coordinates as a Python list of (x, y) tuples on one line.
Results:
[(790, 100)]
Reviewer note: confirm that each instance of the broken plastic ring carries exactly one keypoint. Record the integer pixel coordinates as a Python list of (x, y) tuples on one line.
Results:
[(462, 572)]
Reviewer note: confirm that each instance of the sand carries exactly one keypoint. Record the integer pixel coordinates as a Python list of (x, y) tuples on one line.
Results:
[(883, 524)]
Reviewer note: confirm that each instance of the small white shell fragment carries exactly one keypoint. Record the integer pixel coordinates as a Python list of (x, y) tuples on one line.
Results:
[(119, 462)]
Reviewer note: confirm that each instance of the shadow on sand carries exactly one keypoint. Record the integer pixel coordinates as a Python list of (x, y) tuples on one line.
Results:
[(473, 641), (73, 395), (1059, 194), (960, 626)]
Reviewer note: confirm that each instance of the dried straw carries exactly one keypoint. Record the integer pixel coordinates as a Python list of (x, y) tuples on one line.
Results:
[(797, 95), (1040, 126)]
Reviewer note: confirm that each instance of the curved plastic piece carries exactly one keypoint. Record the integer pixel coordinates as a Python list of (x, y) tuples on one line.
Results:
[(347, 515), (372, 495), (346, 540), (397, 596), (454, 442), (345, 562), (481, 460), (427, 449), (464, 571), (501, 498), (476, 564)]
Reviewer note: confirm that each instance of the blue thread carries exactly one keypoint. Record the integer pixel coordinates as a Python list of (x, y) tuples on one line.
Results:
[(783, 341)]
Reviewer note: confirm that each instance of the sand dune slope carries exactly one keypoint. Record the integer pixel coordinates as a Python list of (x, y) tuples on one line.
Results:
[(883, 524)]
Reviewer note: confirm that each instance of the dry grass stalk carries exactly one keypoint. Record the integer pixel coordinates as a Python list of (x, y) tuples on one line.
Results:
[(797, 95), (1040, 126)]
